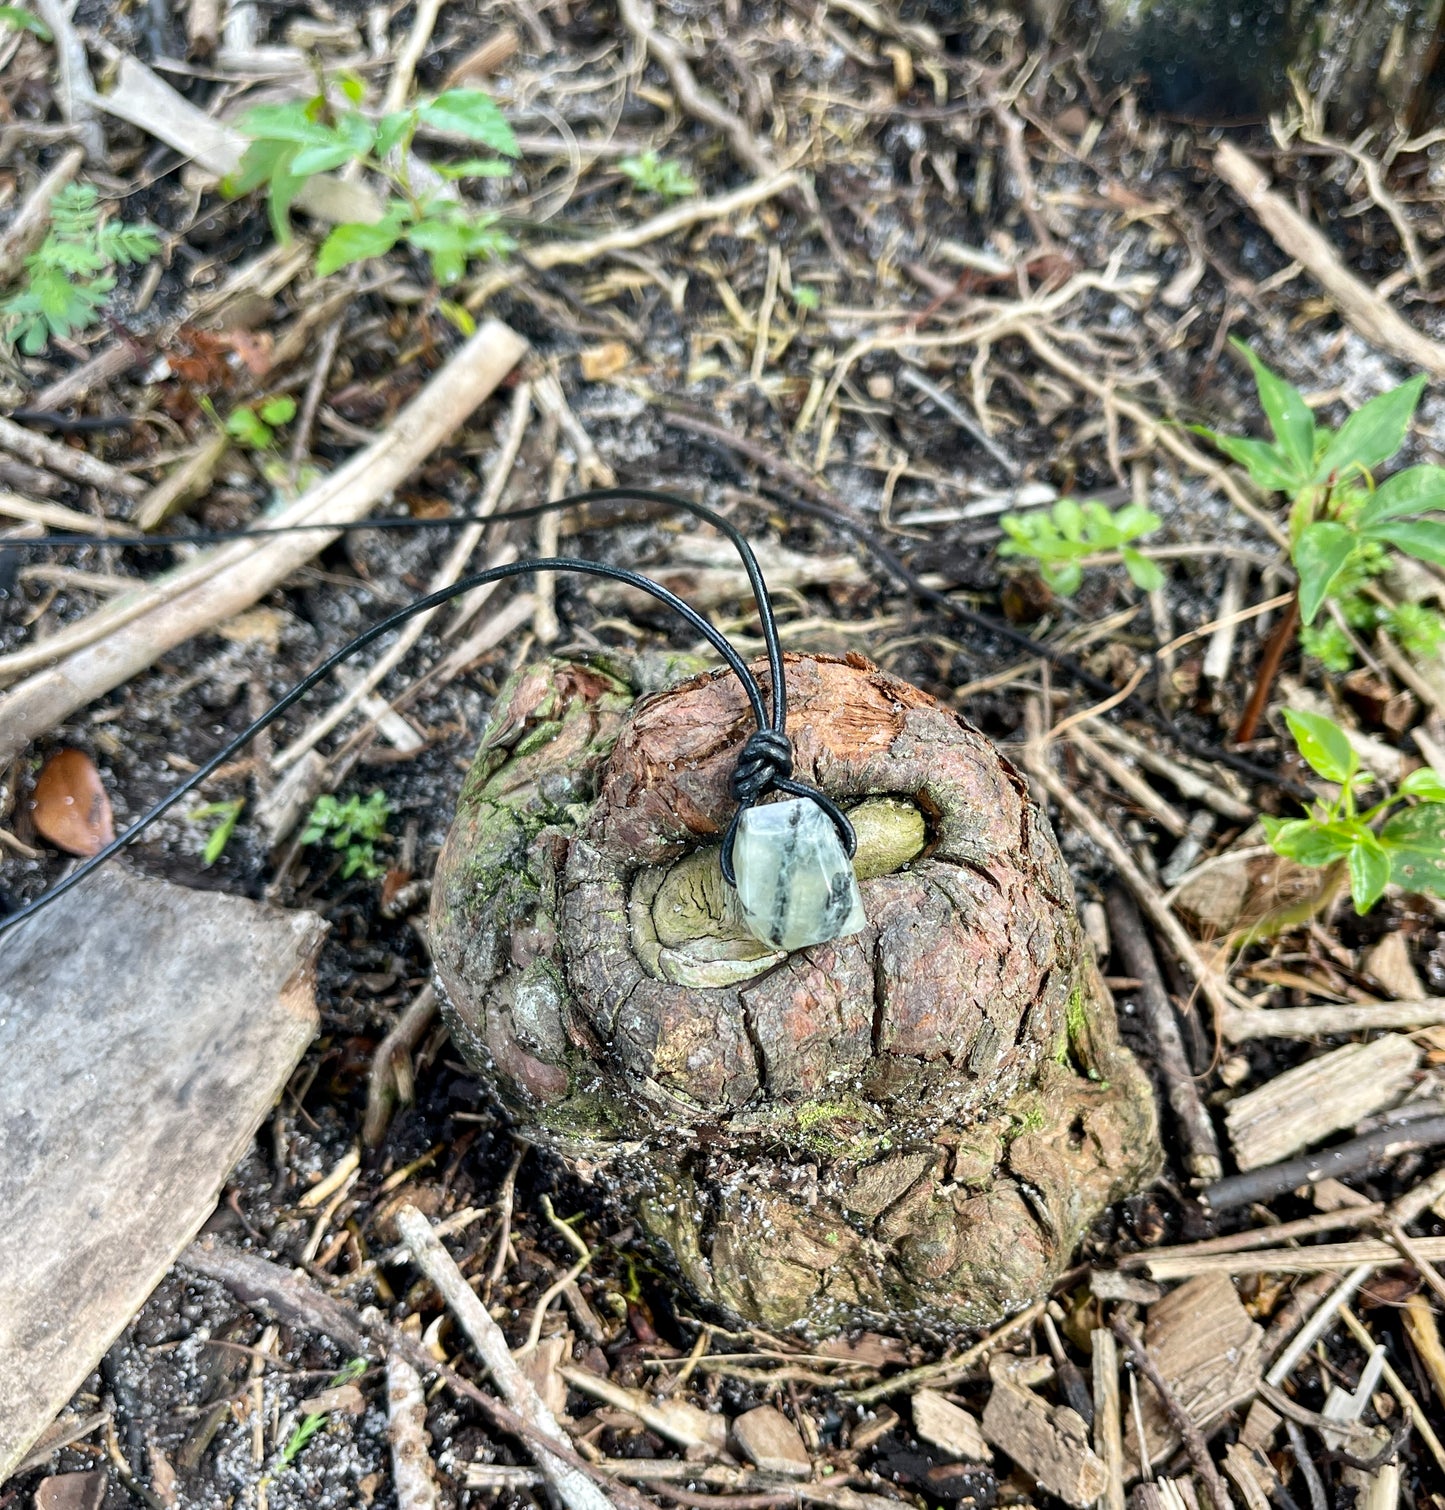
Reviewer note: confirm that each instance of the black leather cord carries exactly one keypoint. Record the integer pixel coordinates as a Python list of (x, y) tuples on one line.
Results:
[(764, 764)]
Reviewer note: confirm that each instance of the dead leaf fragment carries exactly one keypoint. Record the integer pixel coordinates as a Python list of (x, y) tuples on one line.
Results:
[(72, 1491), (69, 806), (604, 361)]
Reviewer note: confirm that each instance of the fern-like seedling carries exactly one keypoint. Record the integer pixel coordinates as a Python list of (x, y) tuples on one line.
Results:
[(68, 278)]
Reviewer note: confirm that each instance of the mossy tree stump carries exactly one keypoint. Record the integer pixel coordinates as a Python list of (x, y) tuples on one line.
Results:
[(912, 1126)]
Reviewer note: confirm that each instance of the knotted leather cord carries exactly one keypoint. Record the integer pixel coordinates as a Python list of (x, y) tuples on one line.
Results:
[(764, 764)]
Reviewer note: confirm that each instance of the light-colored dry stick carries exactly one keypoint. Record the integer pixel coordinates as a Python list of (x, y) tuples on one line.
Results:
[(545, 1299), (76, 91), (1179, 1418), (505, 1198), (66, 461), (680, 217), (399, 85), (573, 1487), (1240, 616), (1131, 782), (948, 1370), (1410, 1249), (1323, 1258), (639, 18), (995, 320), (1243, 1023), (1264, 1237), (1154, 432), (593, 471), (1188, 782), (411, 1470), (57, 517), (546, 627), (450, 570), (382, 1086), (1220, 650), (316, 387), (27, 230), (765, 312), (1378, 322), (1414, 1201), (1424, 1333), (1108, 1417), (1397, 1386), (233, 577), (1216, 992)]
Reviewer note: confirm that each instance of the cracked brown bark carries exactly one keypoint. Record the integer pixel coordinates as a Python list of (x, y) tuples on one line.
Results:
[(912, 1125)]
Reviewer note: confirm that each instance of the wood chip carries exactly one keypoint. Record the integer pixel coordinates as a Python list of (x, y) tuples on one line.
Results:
[(771, 1441), (146, 1031), (949, 1427), (1209, 1352), (1304, 1105), (1050, 1442)]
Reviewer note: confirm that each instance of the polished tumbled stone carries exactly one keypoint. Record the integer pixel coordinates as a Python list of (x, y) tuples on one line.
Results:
[(795, 882)]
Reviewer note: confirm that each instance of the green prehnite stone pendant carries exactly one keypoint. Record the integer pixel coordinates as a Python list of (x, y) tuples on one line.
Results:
[(795, 882)]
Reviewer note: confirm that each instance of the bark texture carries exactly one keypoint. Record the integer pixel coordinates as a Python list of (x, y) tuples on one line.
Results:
[(916, 1123)]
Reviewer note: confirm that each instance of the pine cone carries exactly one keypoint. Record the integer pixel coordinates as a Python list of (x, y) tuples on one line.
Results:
[(913, 1125)]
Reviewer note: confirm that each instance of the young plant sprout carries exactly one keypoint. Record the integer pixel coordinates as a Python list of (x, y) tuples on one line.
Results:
[(1407, 847)]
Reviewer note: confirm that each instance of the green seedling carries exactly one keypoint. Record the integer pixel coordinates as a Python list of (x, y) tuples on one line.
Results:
[(67, 278), (292, 143), (228, 814), (1060, 539), (806, 297), (1406, 845), (1344, 528), (653, 174), (255, 426), (19, 19), (354, 826), (311, 1423)]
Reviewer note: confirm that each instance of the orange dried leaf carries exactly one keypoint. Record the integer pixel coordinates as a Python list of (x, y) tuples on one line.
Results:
[(69, 806)]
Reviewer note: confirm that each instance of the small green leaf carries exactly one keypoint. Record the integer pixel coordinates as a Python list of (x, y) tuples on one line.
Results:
[(1369, 873), (1425, 783), (1416, 490), (1289, 415), (220, 836), (257, 165), (1320, 555), (806, 297), (1372, 434), (286, 123), (278, 411), (1415, 839), (246, 427), (354, 243), (1324, 745), (1421, 538), (321, 159), (1267, 465), (392, 129), (474, 114), (1305, 841), (24, 20), (1145, 573), (351, 87), (457, 315)]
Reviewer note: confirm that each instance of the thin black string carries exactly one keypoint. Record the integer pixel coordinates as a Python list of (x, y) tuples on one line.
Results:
[(764, 764)]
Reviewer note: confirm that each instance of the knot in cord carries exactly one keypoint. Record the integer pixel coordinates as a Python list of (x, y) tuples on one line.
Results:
[(766, 759)]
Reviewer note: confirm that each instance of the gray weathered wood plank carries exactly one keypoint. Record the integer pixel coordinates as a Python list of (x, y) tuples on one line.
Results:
[(145, 1032)]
